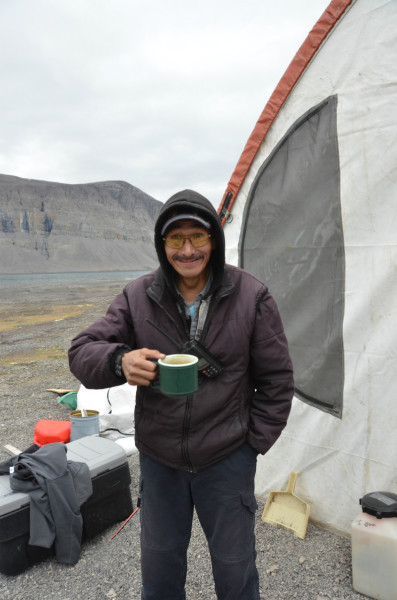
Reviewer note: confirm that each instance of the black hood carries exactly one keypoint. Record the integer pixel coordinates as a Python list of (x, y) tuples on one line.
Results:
[(189, 201)]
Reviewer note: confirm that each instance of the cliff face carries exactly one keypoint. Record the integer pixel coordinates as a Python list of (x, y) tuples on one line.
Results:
[(49, 227)]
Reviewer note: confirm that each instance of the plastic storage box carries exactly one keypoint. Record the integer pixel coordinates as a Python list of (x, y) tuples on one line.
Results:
[(374, 546), (110, 502)]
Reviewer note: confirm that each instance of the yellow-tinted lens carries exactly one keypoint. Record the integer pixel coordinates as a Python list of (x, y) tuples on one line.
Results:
[(177, 241), (199, 239)]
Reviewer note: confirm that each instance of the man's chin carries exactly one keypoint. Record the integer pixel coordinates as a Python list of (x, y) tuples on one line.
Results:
[(190, 272), (194, 269)]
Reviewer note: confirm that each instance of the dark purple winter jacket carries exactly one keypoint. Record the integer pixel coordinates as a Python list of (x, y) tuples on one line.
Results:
[(248, 402)]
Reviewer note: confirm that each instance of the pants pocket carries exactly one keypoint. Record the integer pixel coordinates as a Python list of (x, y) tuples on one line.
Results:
[(249, 501)]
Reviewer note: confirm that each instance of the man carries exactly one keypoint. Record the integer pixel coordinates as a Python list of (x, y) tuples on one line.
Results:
[(197, 451)]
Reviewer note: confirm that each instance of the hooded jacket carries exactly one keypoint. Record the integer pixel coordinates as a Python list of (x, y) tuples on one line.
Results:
[(249, 401)]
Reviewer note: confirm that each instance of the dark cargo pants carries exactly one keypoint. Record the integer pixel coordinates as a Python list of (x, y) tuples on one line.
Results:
[(223, 496)]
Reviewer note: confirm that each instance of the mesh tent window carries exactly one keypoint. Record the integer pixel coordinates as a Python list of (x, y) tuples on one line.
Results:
[(292, 239)]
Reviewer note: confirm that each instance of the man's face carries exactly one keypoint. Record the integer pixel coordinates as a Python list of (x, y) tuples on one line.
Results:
[(188, 261)]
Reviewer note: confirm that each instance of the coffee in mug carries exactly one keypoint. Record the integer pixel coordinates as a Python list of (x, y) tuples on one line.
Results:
[(178, 359)]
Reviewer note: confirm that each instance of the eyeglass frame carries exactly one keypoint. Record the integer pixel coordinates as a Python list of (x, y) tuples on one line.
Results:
[(187, 237)]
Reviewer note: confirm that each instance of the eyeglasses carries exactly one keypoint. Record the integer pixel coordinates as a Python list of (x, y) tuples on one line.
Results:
[(177, 241)]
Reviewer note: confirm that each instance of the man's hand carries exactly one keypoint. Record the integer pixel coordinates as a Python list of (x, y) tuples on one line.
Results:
[(138, 366)]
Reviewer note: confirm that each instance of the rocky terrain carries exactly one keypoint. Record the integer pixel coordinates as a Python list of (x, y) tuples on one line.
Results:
[(48, 227), (36, 326)]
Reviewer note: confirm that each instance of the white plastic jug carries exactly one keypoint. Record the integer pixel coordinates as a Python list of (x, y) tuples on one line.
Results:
[(374, 546)]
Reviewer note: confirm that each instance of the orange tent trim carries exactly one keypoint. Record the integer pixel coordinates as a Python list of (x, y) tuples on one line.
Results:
[(297, 66)]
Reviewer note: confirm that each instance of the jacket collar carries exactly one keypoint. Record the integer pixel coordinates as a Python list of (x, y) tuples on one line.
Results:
[(160, 286)]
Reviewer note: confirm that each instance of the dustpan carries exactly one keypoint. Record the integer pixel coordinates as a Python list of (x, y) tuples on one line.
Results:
[(287, 510)]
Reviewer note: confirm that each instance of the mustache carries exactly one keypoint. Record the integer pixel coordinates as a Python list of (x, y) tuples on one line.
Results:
[(183, 257)]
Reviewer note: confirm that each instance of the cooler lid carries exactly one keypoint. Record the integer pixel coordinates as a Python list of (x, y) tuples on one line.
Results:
[(100, 454), (10, 500), (380, 504)]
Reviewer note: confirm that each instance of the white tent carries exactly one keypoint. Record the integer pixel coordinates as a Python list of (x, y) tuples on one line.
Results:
[(310, 209)]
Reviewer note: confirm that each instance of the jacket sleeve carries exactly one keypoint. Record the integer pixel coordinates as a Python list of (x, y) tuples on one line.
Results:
[(92, 352), (272, 373)]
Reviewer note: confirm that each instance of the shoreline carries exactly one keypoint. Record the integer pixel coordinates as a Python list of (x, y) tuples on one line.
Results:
[(67, 277)]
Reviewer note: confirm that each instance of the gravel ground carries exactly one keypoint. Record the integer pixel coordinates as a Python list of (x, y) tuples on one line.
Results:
[(36, 326)]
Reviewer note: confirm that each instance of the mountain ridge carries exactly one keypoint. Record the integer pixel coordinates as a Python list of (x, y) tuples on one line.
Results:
[(48, 227)]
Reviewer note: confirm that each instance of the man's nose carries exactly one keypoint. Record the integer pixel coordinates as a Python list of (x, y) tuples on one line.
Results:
[(187, 245)]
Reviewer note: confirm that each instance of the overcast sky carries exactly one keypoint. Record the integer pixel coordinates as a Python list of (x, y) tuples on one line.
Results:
[(162, 94)]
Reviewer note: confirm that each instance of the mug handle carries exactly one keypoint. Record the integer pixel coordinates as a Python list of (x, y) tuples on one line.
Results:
[(154, 385)]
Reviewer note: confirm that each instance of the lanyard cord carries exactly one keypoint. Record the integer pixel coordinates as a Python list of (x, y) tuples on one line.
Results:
[(202, 316)]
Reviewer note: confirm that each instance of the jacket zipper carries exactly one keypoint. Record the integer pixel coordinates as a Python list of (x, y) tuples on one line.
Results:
[(186, 421), (213, 304)]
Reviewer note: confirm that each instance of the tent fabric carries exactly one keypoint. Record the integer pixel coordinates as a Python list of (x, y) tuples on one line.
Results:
[(302, 58), (340, 454), (292, 238)]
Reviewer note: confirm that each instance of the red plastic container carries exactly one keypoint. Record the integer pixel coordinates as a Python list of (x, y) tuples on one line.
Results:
[(50, 432)]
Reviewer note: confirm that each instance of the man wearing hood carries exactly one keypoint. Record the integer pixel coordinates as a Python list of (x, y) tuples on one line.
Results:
[(196, 451)]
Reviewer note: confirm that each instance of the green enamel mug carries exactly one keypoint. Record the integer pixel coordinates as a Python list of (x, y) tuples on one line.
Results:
[(178, 374)]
